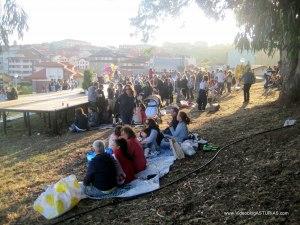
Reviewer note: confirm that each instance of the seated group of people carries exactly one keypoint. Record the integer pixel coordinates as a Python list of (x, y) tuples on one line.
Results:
[(84, 122), (108, 171)]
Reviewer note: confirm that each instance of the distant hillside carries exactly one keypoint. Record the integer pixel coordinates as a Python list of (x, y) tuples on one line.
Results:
[(67, 43)]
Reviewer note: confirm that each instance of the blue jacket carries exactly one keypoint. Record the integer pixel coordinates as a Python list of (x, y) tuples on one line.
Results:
[(181, 132)]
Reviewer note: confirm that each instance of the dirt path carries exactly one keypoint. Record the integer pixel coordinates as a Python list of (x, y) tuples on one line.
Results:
[(259, 174)]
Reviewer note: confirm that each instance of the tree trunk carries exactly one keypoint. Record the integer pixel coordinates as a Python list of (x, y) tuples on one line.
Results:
[(290, 71)]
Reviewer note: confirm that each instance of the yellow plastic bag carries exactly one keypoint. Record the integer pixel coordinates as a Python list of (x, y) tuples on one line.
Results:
[(59, 198)]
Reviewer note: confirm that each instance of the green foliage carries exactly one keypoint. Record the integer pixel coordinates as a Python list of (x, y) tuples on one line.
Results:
[(88, 76), (24, 88), (265, 25), (12, 19)]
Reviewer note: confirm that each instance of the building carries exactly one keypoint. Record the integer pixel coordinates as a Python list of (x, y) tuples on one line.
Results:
[(235, 57), (133, 66), (82, 64), (97, 61), (20, 61), (168, 63), (48, 71)]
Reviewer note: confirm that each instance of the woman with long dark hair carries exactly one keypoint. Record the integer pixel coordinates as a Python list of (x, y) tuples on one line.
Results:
[(152, 139), (81, 121), (126, 104), (125, 159), (181, 133), (134, 148)]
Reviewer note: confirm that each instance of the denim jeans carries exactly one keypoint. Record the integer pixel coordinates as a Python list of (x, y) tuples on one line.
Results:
[(95, 192)]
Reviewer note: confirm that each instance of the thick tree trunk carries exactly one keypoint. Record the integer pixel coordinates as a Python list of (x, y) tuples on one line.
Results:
[(290, 70)]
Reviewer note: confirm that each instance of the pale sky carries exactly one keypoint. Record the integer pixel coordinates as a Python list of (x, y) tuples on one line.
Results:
[(106, 22)]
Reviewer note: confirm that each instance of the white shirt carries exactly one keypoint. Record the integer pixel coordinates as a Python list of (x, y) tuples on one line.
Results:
[(203, 85), (221, 77)]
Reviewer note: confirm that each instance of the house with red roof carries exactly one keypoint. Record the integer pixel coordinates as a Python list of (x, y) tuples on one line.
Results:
[(47, 71)]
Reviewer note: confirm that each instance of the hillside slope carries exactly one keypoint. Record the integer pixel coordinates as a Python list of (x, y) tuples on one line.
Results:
[(257, 176)]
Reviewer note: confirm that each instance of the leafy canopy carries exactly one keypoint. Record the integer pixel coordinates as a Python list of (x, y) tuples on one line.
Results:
[(12, 19), (265, 25)]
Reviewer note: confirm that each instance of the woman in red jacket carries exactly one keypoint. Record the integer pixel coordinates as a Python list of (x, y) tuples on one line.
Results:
[(134, 148), (125, 159)]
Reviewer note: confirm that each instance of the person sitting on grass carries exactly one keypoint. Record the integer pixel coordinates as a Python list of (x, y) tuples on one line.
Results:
[(151, 137), (174, 122), (181, 133), (121, 153), (135, 149), (101, 176), (93, 117), (114, 136), (81, 121)]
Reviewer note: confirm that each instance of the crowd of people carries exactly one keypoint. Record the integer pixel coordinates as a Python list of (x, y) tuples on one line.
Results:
[(125, 97), (8, 94), (111, 169), (59, 85), (125, 100)]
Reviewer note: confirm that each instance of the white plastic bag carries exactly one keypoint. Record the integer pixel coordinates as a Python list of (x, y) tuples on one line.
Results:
[(59, 198), (187, 147)]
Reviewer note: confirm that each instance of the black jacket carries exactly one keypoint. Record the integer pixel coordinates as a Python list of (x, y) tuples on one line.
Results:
[(82, 122), (102, 172), (126, 104)]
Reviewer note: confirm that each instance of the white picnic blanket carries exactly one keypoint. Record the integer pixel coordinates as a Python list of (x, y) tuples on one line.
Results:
[(157, 167)]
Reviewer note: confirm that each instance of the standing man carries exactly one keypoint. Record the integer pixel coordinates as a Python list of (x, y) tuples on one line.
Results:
[(248, 78), (221, 79)]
